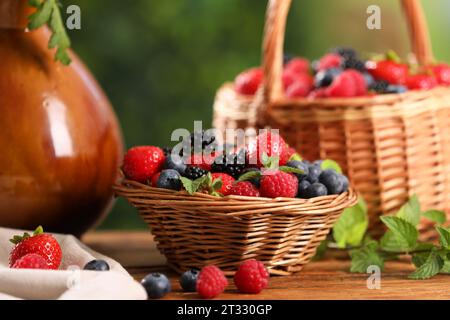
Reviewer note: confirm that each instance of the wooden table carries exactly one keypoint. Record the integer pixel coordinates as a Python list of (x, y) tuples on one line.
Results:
[(325, 279)]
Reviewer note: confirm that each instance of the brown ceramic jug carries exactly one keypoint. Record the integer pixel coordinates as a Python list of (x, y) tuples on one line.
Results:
[(60, 142)]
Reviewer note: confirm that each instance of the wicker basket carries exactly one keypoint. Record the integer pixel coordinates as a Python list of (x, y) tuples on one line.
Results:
[(390, 146), (196, 230)]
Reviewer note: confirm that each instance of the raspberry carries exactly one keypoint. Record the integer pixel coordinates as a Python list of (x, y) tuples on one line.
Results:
[(251, 277), (343, 85), (279, 184), (141, 163), (211, 282), (248, 82), (360, 82), (244, 188), (31, 261), (268, 143), (301, 86), (442, 73), (328, 61), (227, 182), (297, 65), (421, 82), (387, 70)]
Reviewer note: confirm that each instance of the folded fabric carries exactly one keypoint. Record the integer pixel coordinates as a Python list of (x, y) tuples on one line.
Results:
[(70, 282)]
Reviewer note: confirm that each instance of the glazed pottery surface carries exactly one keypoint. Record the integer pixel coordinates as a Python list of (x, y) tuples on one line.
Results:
[(60, 141)]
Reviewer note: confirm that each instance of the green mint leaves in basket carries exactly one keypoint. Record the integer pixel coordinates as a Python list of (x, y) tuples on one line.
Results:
[(47, 12), (204, 183), (401, 238)]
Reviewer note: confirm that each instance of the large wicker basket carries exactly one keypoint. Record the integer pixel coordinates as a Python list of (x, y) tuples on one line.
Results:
[(197, 230), (390, 146)]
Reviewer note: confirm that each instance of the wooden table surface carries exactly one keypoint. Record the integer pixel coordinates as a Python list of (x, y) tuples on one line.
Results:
[(324, 279)]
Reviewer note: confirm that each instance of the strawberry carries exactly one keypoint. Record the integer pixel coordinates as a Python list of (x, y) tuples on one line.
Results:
[(39, 243), (343, 85), (31, 261), (421, 82), (360, 82), (244, 188), (248, 82), (297, 65), (328, 61), (155, 179), (301, 86), (141, 163), (442, 73), (227, 182), (279, 184), (286, 155), (388, 70), (268, 143), (288, 78)]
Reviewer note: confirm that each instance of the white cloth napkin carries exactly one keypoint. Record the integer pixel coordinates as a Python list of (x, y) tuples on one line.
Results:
[(70, 282)]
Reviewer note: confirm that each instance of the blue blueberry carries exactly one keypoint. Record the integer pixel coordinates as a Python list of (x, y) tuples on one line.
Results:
[(395, 89), (302, 189), (314, 173), (169, 179), (301, 166), (370, 81), (330, 179), (188, 280), (316, 190), (157, 285), (175, 162), (324, 78), (97, 265), (345, 182)]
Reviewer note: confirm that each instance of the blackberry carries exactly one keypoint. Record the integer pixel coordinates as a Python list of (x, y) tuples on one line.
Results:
[(194, 173), (167, 150), (354, 63), (380, 86), (233, 164), (345, 52)]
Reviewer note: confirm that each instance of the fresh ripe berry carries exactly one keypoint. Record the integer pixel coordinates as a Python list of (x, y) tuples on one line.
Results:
[(370, 81), (211, 282), (157, 285), (314, 172), (318, 93), (421, 82), (232, 164), (255, 181), (345, 52), (227, 182), (244, 188), (316, 190), (330, 179), (442, 73), (31, 261), (301, 87), (155, 179), (188, 280), (202, 140), (251, 277), (175, 162), (40, 243), (267, 143), (97, 265), (354, 63), (300, 165), (169, 179), (395, 89), (390, 71), (345, 182), (328, 61), (248, 82), (141, 163), (380, 86), (288, 78), (203, 161), (279, 184), (286, 155), (298, 65), (194, 173), (344, 85), (303, 186), (325, 77), (360, 82)]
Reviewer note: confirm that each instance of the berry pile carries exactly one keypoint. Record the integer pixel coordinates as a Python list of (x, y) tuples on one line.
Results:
[(266, 167), (342, 73)]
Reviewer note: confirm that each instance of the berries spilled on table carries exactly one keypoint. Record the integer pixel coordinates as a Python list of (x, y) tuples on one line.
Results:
[(157, 285)]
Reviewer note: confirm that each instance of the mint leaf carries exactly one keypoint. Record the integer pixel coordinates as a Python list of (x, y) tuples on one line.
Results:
[(401, 235), (351, 226), (410, 211), (42, 15), (431, 267), (330, 164), (249, 176), (365, 257), (217, 184), (291, 170), (437, 216), (188, 185), (446, 267), (444, 237)]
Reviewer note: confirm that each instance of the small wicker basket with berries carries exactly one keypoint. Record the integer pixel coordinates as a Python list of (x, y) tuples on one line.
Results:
[(222, 205), (386, 121)]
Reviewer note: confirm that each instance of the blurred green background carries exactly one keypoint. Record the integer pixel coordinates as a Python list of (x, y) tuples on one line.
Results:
[(160, 62)]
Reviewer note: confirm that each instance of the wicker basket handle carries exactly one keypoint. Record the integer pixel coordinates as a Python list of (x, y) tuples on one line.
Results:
[(274, 32)]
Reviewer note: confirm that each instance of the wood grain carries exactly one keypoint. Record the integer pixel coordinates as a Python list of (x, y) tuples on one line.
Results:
[(325, 279)]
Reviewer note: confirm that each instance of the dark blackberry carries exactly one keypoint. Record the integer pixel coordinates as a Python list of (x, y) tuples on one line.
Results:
[(167, 150), (380, 86), (356, 64), (194, 173), (345, 52), (233, 164), (324, 78)]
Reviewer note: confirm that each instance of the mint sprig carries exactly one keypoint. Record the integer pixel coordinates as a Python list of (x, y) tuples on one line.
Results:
[(203, 184), (48, 12)]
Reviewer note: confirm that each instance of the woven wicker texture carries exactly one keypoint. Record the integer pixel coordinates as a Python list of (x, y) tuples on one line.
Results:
[(197, 230), (390, 146)]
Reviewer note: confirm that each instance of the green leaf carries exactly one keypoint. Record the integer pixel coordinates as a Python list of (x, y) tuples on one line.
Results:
[(444, 237), (188, 185), (419, 259), (437, 216), (249, 176), (446, 267), (321, 249), (330, 164), (289, 169), (410, 211), (265, 159), (401, 234), (296, 157), (431, 267), (217, 184), (393, 56), (39, 230), (351, 226), (365, 257), (42, 15)]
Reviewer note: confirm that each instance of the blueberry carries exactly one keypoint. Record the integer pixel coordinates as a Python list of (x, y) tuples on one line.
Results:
[(395, 89), (370, 81), (314, 173), (175, 162), (188, 280), (324, 78), (169, 179), (345, 182), (97, 265), (330, 179), (157, 285), (301, 166), (254, 181), (316, 190), (302, 189)]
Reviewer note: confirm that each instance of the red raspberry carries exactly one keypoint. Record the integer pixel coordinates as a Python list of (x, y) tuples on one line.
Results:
[(244, 188), (227, 182), (343, 85), (328, 61), (211, 282), (141, 163), (288, 78), (251, 277), (360, 82), (387, 70), (155, 179), (301, 86), (297, 65), (31, 261), (318, 93), (421, 82), (268, 143), (278, 184), (442, 73), (248, 82)]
